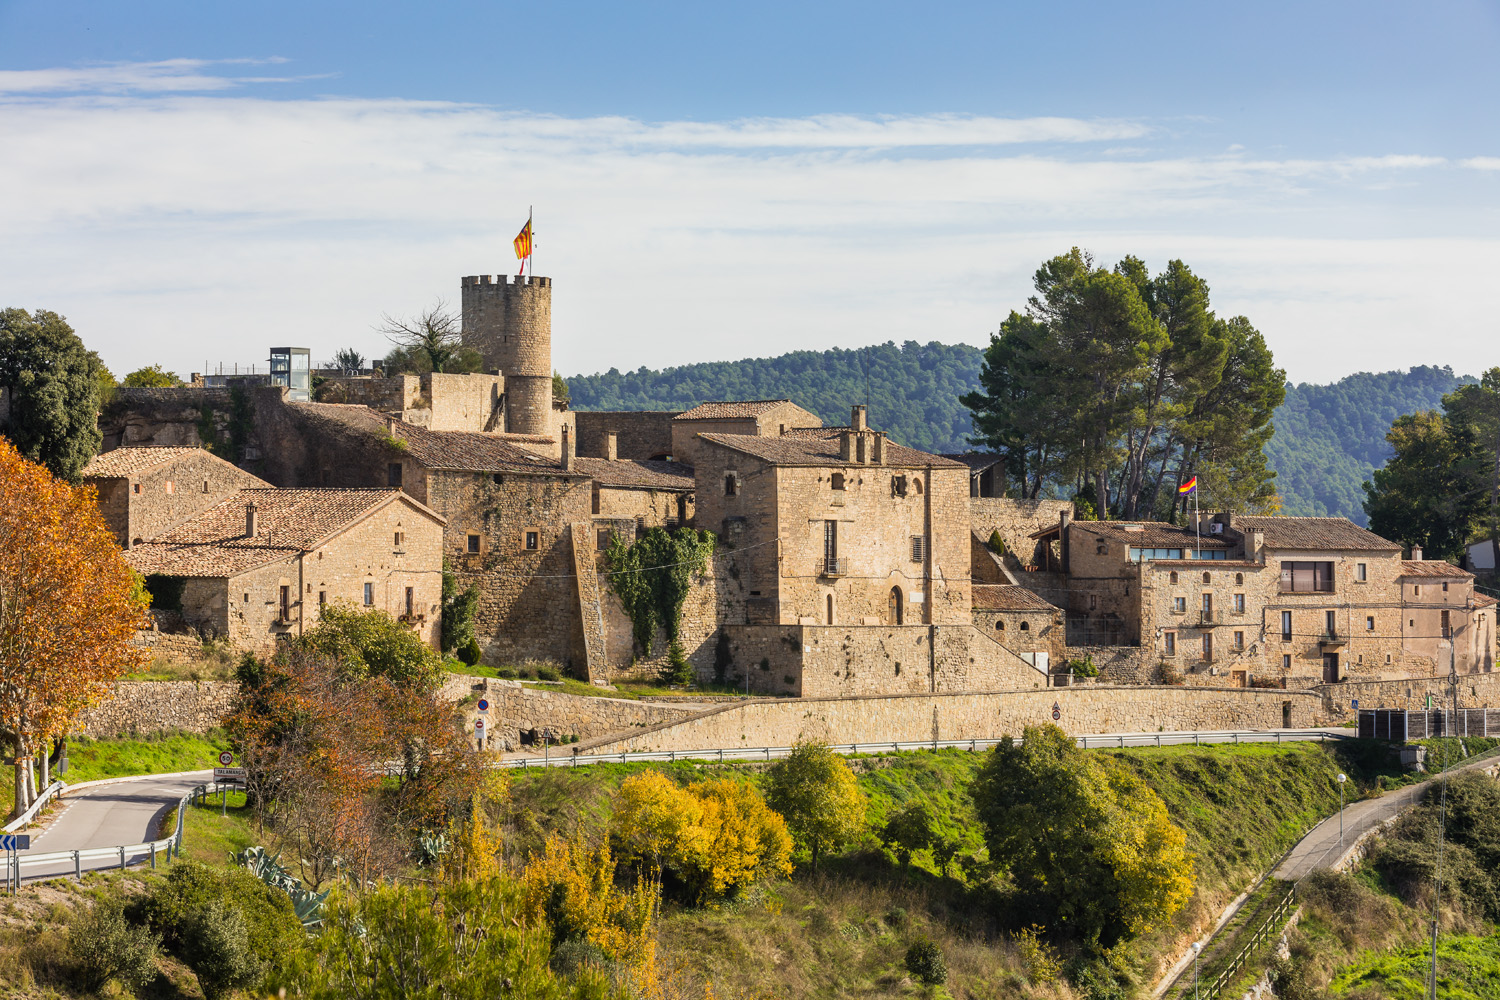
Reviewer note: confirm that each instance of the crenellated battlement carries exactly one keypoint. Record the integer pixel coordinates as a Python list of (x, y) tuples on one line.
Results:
[(506, 279)]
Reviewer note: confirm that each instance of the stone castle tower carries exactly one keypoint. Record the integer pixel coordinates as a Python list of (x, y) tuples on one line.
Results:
[(511, 326)]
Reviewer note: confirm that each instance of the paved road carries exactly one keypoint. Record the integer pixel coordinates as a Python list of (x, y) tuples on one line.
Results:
[(125, 812), (1323, 846)]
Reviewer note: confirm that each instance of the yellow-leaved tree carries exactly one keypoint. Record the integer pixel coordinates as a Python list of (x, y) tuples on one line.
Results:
[(710, 839), (69, 607)]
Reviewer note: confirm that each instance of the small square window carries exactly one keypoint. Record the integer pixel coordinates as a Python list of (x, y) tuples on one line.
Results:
[(247, 598), (169, 486), (137, 487), (1445, 588), (205, 486), (916, 548), (1369, 623), (400, 538), (1179, 605), (473, 544), (836, 481), (1360, 573), (1286, 661), (369, 595), (533, 541)]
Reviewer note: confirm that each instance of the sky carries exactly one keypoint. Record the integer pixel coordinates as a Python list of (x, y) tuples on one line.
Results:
[(191, 183)]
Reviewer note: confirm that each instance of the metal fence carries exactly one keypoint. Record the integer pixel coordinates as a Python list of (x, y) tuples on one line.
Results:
[(1268, 928), (728, 754), (121, 856), (1400, 725)]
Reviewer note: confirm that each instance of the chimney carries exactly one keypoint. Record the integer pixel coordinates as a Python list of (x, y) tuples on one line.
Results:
[(857, 418), (1416, 553), (567, 448), (878, 456), (612, 446), (250, 519), (846, 446), (1257, 551), (1064, 518)]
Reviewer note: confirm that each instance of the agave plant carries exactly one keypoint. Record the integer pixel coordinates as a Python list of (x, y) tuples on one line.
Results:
[(307, 904), (431, 847)]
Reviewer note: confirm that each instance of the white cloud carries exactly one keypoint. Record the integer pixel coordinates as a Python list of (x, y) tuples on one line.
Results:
[(141, 77), (1482, 162), (181, 228)]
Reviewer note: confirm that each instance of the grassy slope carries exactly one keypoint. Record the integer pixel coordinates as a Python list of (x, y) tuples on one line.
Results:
[(1468, 969), (92, 759), (844, 932)]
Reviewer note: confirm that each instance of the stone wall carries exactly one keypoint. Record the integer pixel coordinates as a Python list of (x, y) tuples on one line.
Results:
[(645, 434), (158, 706), (168, 645), (1015, 520), (914, 717), (1117, 664), (516, 707), (1479, 690)]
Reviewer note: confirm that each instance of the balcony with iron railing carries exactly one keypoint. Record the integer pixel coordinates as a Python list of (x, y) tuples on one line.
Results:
[(1332, 639), (835, 566)]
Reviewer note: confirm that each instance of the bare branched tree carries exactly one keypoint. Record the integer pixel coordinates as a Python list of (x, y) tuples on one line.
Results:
[(433, 334)]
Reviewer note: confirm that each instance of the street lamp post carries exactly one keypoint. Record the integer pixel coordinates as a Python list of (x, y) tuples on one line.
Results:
[(1342, 778), (1197, 951)]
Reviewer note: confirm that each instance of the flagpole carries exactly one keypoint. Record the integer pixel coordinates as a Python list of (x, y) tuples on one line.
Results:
[(1197, 524), (530, 210)]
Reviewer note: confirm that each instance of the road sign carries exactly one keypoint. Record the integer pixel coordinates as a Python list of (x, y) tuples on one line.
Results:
[(479, 724), (226, 758), (484, 705), (1056, 711), (230, 774), (15, 842), (1354, 703)]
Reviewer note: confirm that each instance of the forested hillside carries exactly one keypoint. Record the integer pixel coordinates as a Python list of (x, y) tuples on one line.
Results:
[(1328, 437)]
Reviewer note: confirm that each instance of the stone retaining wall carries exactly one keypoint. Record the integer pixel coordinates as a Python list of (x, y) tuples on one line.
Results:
[(138, 707), (515, 707), (1474, 691), (902, 718)]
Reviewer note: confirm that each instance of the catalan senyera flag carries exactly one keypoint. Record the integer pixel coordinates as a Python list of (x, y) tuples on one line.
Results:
[(523, 243), (1189, 486)]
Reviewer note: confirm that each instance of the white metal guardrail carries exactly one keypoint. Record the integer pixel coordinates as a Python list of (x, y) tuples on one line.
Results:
[(51, 792), (1086, 742), (125, 854)]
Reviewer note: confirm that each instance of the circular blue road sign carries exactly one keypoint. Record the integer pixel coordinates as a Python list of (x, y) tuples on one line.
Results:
[(484, 705)]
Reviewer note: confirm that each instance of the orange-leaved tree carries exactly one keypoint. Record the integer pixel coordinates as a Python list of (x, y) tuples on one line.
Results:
[(69, 608)]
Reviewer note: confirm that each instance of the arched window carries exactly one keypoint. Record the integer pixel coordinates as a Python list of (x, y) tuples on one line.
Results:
[(1205, 577), (838, 480), (1239, 578), (999, 626), (1172, 577), (1026, 626), (918, 481), (894, 609), (830, 609)]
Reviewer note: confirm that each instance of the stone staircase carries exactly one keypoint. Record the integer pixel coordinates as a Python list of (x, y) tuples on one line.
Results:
[(590, 600)]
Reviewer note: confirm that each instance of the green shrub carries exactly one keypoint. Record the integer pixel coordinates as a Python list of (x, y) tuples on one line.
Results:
[(572, 956), (996, 543), (924, 959), (1084, 667), (272, 928), (215, 943), (548, 674), (105, 946), (508, 673), (470, 653), (677, 670)]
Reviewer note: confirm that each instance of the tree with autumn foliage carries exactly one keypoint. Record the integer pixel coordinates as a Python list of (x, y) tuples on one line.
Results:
[(69, 608), (319, 739)]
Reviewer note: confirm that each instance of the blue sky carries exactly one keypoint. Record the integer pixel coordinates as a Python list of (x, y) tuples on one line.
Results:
[(191, 181)]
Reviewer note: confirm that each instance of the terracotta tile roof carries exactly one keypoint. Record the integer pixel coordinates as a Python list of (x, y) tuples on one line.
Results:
[(730, 409), (124, 462), (1313, 533), (1008, 597), (1484, 601), (1147, 534), (1434, 568), (642, 474), (820, 446), (464, 451), (213, 544)]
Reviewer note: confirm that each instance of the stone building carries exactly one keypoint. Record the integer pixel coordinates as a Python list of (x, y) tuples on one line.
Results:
[(752, 418), (145, 491), (258, 565), (1020, 621), (1285, 601)]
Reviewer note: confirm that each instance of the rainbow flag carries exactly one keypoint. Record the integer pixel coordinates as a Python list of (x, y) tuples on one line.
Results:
[(1189, 486)]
